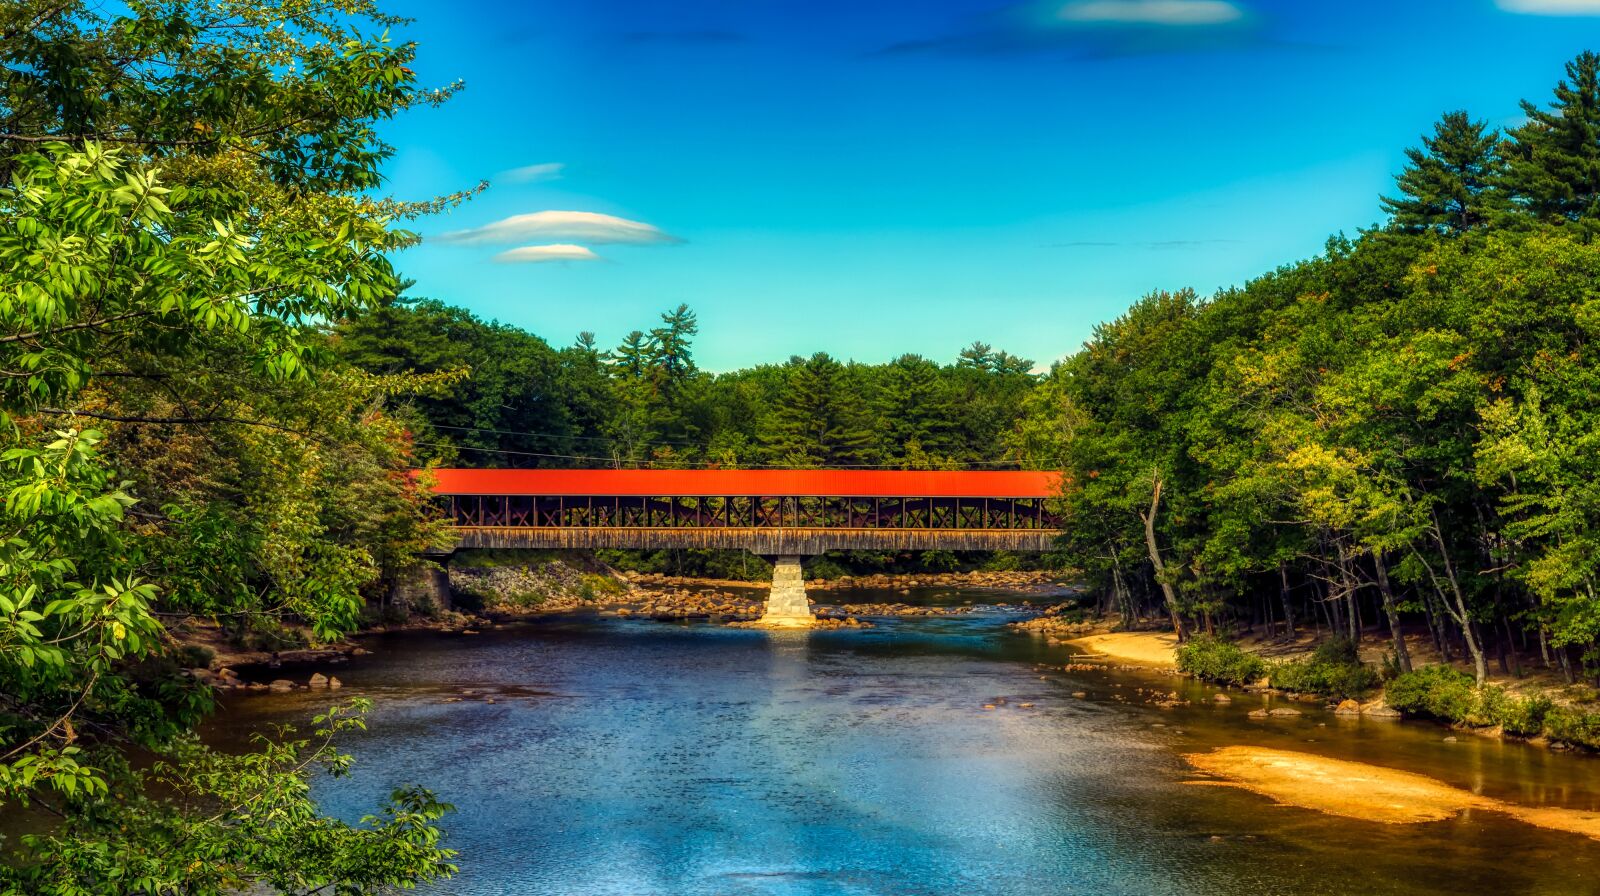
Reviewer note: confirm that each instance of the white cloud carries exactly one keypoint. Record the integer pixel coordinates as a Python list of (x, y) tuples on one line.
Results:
[(1160, 12), (1552, 7), (589, 227), (532, 174), (552, 252)]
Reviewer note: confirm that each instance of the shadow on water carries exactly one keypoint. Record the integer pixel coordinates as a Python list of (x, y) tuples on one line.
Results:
[(631, 757)]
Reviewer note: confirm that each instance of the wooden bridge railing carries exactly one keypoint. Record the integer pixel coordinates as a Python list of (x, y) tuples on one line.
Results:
[(748, 512)]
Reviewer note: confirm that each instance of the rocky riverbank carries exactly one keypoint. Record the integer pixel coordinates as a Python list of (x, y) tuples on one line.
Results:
[(553, 583), (484, 590), (1027, 581), (682, 603)]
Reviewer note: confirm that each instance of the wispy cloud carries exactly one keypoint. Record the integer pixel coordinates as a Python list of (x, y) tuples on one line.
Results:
[(542, 254), (1551, 7), (1100, 28), (1170, 13), (532, 174), (589, 227)]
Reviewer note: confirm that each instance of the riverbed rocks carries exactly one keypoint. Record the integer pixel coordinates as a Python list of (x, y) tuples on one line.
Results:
[(222, 679), (1015, 580), (821, 622), (1276, 712), (1347, 708), (678, 604), (1055, 629), (682, 604), (318, 681), (893, 609), (544, 585)]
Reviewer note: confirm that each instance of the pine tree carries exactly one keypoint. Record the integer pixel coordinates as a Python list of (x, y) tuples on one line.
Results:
[(635, 424), (1452, 183), (819, 419), (673, 344), (633, 359), (915, 404), (977, 356), (1554, 160)]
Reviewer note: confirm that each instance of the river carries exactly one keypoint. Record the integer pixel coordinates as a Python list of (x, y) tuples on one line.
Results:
[(590, 755)]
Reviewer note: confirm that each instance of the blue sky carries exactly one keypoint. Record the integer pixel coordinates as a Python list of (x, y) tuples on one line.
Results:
[(877, 177)]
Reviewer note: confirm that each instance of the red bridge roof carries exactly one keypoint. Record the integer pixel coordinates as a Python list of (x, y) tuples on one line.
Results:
[(746, 483)]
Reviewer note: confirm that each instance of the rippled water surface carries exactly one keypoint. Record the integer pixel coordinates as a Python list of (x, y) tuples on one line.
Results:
[(633, 757)]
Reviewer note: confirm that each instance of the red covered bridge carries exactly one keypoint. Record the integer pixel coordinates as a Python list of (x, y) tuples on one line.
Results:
[(770, 512)]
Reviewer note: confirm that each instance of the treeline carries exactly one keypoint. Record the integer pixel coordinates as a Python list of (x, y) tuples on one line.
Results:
[(1404, 431), (512, 400)]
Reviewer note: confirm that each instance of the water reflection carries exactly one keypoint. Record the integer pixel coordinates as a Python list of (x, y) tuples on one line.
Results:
[(630, 757)]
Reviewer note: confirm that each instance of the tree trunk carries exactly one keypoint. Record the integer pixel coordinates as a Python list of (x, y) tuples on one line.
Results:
[(1516, 661), (1347, 583), (1441, 638), (1401, 657), (1335, 605), (1167, 591), (1463, 617), (1283, 593), (1120, 588)]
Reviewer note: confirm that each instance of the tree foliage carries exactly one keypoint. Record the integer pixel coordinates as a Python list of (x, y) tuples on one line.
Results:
[(1400, 429), (184, 207)]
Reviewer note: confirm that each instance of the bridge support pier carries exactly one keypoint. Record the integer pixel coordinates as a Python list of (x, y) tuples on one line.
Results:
[(787, 605)]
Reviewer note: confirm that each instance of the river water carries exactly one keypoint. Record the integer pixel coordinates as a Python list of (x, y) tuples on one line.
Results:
[(614, 756)]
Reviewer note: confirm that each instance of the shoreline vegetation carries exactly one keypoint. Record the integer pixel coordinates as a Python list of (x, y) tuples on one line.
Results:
[(1541, 712)]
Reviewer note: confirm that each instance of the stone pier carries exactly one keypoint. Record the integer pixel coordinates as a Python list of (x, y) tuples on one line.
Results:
[(787, 605)]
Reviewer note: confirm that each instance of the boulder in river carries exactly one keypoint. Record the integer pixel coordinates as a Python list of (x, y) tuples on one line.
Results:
[(1348, 708), (279, 685), (318, 680)]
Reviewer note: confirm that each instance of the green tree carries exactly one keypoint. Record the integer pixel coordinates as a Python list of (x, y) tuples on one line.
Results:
[(185, 204), (1553, 161), (916, 410), (1451, 184), (673, 341), (820, 418)]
